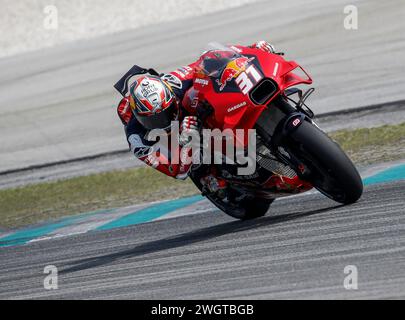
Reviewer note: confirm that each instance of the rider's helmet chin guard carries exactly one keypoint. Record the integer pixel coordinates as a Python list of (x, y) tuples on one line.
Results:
[(153, 103)]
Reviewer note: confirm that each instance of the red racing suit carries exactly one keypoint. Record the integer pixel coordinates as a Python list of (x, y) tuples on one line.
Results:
[(180, 80)]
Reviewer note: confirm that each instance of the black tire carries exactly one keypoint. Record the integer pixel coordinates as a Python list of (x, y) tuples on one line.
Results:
[(332, 172), (256, 208), (244, 210)]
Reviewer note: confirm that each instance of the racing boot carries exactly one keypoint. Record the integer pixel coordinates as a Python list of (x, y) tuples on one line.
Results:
[(213, 185)]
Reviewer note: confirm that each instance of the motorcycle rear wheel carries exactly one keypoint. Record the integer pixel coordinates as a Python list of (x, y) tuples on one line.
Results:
[(246, 209)]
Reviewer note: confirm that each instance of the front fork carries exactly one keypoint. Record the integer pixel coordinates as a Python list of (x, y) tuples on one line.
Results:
[(277, 141)]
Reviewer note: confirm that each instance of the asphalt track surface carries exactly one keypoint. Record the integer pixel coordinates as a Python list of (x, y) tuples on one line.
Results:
[(298, 251), (58, 104)]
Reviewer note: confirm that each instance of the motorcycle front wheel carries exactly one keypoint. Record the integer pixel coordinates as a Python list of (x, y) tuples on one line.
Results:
[(330, 170)]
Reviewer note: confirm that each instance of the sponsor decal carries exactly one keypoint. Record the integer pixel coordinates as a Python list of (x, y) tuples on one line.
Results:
[(152, 161), (181, 74), (236, 49), (139, 149), (186, 69), (172, 80), (183, 71), (232, 70), (296, 122), (141, 152), (240, 105), (147, 88), (202, 82)]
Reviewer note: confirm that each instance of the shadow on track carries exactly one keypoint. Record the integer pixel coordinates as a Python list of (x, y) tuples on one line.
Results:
[(189, 238)]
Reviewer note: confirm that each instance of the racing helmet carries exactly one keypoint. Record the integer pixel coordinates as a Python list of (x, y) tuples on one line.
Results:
[(153, 102)]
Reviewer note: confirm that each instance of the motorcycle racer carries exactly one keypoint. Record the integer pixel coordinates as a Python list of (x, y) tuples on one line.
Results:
[(154, 102)]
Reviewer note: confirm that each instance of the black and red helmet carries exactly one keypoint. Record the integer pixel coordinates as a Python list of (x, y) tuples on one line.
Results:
[(153, 103)]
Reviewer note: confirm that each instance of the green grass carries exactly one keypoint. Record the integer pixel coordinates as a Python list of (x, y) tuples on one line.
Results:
[(373, 145), (355, 140), (44, 201)]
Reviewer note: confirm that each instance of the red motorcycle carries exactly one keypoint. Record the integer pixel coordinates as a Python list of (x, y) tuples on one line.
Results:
[(245, 88)]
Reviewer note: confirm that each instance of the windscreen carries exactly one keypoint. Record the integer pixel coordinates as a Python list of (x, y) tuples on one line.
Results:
[(223, 65), (216, 58)]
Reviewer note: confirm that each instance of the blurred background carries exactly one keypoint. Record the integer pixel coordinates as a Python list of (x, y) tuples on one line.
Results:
[(22, 21)]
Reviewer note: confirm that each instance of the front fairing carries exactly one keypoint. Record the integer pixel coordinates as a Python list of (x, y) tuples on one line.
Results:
[(217, 81), (225, 77)]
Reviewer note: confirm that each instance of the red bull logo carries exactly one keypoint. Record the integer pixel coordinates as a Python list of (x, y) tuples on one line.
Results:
[(232, 70)]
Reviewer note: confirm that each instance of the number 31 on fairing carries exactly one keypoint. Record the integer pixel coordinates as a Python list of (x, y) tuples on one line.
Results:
[(246, 80)]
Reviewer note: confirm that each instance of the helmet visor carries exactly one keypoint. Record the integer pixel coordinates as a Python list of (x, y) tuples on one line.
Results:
[(160, 120)]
